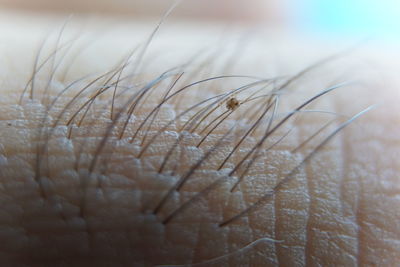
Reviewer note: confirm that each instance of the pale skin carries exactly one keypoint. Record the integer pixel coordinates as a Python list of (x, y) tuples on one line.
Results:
[(84, 202)]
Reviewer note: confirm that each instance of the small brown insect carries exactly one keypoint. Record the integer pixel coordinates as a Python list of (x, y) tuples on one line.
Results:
[(232, 103)]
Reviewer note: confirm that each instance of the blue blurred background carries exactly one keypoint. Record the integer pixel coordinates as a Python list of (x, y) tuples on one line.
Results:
[(368, 17)]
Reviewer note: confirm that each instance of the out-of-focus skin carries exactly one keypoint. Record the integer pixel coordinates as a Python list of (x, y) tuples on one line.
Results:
[(223, 10), (340, 209)]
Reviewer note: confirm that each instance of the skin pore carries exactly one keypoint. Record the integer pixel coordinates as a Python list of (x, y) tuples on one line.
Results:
[(127, 155)]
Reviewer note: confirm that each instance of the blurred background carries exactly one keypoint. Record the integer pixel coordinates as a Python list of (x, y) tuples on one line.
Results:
[(237, 10), (323, 17)]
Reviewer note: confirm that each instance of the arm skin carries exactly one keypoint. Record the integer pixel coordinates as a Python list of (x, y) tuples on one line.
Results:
[(341, 208)]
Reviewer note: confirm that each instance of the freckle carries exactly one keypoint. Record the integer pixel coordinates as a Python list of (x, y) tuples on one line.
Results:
[(232, 103)]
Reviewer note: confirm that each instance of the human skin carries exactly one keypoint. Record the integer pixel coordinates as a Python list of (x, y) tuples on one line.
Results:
[(77, 194)]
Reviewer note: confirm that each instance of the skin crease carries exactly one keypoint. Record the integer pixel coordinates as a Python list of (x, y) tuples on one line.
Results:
[(339, 209)]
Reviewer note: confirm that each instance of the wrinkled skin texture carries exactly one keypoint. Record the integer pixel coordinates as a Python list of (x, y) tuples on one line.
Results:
[(341, 208)]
